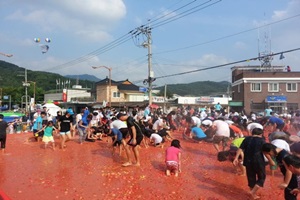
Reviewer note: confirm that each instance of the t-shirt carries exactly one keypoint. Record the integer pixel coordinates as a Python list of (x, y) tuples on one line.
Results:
[(65, 123), (253, 155), (198, 132), (130, 122), (254, 125), (3, 127), (222, 128), (37, 125), (157, 138), (118, 124), (268, 112), (48, 131), (172, 154), (277, 135), (237, 142), (282, 144)]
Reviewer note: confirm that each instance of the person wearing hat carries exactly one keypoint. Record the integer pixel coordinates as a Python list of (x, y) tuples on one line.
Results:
[(136, 137), (275, 126)]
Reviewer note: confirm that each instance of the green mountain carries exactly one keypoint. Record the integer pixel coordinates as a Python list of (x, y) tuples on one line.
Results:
[(13, 76)]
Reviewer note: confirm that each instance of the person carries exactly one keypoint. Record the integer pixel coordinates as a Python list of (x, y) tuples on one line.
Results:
[(157, 140), (290, 181), (218, 107), (268, 112), (292, 163), (173, 158), (38, 124), (48, 134), (65, 126), (234, 146), (83, 126), (3, 127), (222, 134), (196, 134), (136, 137), (275, 126), (253, 160)]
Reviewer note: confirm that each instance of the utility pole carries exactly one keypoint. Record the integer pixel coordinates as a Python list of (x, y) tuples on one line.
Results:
[(26, 84), (146, 31), (165, 97)]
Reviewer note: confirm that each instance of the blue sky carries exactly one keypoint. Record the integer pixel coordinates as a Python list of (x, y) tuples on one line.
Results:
[(224, 32)]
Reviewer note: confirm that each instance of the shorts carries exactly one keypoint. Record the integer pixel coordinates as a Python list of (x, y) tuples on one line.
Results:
[(172, 165), (65, 133), (139, 139), (117, 143), (124, 132), (47, 139), (218, 139), (40, 134)]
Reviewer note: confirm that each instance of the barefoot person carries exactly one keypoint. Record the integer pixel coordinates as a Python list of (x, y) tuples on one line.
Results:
[(65, 125), (253, 160), (173, 155), (136, 137)]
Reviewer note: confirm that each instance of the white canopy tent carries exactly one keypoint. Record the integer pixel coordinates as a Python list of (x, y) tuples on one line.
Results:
[(52, 108)]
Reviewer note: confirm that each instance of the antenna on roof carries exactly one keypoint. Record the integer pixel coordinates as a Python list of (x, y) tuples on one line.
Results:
[(265, 56)]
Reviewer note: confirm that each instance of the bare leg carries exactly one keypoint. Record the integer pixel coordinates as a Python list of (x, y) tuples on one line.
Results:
[(217, 147), (62, 141), (53, 145), (136, 155), (127, 150), (168, 173), (254, 191)]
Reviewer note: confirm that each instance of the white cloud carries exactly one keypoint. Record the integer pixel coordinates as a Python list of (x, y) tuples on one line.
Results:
[(90, 18)]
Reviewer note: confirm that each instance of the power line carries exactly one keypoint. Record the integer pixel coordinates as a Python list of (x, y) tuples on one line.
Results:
[(223, 65), (228, 36)]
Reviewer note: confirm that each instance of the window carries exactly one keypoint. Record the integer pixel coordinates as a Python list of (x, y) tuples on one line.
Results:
[(291, 87), (116, 94), (239, 88), (255, 87), (273, 87)]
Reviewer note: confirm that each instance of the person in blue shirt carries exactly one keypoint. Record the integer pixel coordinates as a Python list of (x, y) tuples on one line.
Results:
[(196, 134), (218, 107), (268, 112)]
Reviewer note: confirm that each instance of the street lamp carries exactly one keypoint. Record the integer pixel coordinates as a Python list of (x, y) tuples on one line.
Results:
[(109, 70)]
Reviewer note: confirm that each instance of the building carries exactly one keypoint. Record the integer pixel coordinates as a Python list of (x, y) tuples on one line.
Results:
[(122, 93), (255, 89)]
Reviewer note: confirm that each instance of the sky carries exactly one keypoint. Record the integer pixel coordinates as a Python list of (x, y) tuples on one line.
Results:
[(186, 35)]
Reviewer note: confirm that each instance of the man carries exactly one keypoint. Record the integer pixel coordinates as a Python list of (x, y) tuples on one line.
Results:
[(222, 134), (268, 112), (136, 137), (65, 127), (3, 127)]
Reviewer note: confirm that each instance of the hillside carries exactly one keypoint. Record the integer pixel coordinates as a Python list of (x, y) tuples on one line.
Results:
[(12, 77), (84, 77)]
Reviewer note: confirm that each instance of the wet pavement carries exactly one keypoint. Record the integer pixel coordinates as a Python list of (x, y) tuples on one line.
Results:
[(89, 171)]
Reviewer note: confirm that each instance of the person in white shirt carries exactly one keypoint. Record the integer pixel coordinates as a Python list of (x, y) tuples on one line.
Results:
[(222, 134), (156, 140)]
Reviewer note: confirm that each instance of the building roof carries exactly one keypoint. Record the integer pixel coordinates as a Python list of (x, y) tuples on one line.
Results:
[(122, 85)]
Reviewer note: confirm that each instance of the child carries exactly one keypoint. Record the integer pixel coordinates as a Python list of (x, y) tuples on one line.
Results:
[(48, 134), (173, 154)]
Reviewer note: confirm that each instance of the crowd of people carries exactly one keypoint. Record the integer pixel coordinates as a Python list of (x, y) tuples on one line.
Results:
[(249, 142)]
